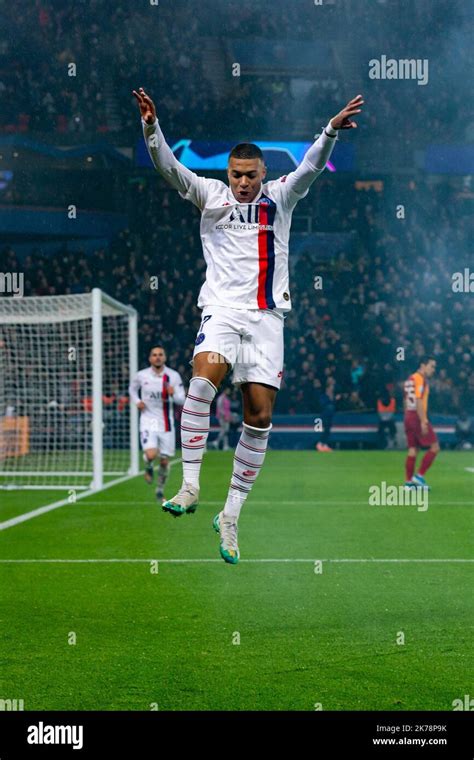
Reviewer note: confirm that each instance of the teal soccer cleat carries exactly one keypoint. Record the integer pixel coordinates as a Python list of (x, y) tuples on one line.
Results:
[(184, 503), (420, 482), (227, 528)]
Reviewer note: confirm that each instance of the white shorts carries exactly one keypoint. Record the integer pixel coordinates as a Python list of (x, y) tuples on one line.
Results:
[(150, 438), (250, 340)]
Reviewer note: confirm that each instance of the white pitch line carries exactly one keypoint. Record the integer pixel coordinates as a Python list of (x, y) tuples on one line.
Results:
[(208, 560), (205, 503), (63, 502)]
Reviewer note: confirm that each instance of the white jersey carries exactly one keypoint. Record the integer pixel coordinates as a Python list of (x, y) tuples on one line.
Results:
[(151, 388), (245, 245)]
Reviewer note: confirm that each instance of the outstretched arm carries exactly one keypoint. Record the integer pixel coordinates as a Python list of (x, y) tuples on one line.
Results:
[(188, 184), (317, 155)]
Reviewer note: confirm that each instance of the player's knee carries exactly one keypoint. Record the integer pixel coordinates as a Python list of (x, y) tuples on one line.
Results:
[(151, 454), (435, 448), (203, 387), (412, 452), (259, 419), (210, 366)]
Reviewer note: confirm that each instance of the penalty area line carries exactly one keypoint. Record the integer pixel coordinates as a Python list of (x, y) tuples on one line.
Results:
[(63, 502)]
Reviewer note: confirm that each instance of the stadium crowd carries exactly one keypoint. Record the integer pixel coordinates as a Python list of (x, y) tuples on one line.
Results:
[(114, 48), (391, 290)]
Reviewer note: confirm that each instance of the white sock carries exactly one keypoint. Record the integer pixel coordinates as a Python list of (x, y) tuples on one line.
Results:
[(195, 427), (248, 460)]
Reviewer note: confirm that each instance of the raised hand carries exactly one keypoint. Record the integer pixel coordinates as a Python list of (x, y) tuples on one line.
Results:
[(147, 107), (342, 120)]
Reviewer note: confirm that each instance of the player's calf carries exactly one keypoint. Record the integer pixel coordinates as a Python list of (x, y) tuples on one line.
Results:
[(163, 473), (148, 458), (195, 427)]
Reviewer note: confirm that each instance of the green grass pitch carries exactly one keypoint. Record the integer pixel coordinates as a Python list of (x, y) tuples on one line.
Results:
[(262, 635)]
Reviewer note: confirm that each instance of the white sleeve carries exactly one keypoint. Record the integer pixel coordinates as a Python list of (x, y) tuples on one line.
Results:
[(134, 388), (296, 184), (190, 186), (179, 395)]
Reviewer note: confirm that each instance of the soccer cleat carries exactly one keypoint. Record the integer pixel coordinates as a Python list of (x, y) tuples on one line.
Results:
[(420, 482), (409, 484), (149, 473), (227, 528), (185, 501)]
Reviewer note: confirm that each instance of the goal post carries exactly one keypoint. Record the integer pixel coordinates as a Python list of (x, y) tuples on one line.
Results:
[(66, 421)]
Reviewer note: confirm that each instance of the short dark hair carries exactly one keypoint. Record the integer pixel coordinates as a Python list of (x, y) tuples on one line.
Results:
[(246, 150), (156, 345), (427, 358)]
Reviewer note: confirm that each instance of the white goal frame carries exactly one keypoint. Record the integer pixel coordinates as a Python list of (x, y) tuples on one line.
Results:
[(93, 306)]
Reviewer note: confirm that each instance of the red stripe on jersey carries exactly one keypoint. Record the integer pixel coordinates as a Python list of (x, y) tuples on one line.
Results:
[(166, 403), (262, 257)]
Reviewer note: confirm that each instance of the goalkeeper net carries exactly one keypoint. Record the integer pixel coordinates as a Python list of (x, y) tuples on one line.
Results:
[(65, 367)]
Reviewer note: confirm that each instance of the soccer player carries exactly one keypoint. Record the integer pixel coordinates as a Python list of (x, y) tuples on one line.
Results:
[(245, 229), (418, 429), (155, 390)]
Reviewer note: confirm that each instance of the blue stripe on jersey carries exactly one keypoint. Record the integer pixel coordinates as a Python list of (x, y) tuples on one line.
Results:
[(270, 245)]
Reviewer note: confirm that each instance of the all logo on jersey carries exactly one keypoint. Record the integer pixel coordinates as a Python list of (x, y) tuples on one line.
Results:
[(251, 216), (237, 216)]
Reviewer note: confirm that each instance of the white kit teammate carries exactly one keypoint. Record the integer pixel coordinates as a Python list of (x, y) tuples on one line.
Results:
[(155, 390), (245, 229)]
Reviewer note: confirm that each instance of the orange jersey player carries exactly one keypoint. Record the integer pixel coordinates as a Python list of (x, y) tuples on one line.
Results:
[(419, 431)]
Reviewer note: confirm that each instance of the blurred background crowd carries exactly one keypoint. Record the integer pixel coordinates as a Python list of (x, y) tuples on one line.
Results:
[(114, 48), (66, 75), (391, 289)]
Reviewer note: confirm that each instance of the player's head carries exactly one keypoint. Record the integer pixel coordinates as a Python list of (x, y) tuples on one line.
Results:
[(157, 356), (428, 366), (246, 170)]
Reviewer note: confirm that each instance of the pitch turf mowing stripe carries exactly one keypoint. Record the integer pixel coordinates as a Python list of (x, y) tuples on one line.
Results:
[(207, 560), (303, 638)]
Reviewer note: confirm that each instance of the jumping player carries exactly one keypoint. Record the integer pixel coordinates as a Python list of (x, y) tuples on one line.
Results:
[(155, 390), (418, 429), (245, 230)]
